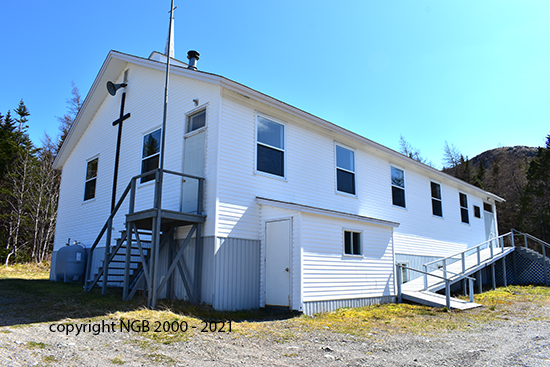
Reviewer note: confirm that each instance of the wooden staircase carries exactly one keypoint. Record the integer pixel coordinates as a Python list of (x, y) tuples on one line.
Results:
[(133, 261), (117, 263)]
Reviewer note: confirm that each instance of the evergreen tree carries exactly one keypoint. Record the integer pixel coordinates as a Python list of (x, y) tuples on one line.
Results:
[(535, 202), (479, 177)]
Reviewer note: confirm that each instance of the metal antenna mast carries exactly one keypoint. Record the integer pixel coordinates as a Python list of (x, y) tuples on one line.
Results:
[(158, 190)]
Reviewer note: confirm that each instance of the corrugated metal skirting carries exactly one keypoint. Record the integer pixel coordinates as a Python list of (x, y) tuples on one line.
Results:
[(236, 275), (311, 308)]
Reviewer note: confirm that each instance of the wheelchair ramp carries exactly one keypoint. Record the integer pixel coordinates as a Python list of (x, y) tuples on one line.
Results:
[(436, 300)]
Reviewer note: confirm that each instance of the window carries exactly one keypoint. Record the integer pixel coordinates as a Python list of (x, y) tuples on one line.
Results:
[(345, 170), (91, 179), (437, 208), (150, 154), (270, 153), (477, 211), (464, 208), (488, 207), (398, 187), (196, 121), (352, 243)]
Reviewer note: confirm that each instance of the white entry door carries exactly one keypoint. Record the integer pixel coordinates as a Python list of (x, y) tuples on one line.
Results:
[(490, 228), (277, 264), (193, 164)]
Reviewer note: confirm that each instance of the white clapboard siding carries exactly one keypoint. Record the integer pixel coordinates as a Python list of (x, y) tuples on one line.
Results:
[(330, 275), (144, 100), (310, 180)]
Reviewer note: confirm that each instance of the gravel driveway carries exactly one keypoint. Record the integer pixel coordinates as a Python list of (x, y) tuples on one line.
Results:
[(519, 339)]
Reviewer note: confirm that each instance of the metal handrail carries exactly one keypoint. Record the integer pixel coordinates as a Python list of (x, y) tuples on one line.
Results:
[(470, 249), (462, 255), (544, 245), (107, 227), (447, 285)]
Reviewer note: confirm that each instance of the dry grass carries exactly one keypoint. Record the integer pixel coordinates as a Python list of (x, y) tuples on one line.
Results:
[(25, 290), (26, 271)]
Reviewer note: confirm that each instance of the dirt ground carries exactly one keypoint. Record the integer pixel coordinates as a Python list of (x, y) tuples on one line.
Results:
[(520, 338)]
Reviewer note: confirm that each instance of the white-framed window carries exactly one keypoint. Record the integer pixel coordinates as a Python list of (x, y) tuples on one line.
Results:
[(150, 154), (91, 179), (464, 217), (195, 121), (477, 211), (270, 147), (352, 243), (437, 207), (398, 187), (345, 170)]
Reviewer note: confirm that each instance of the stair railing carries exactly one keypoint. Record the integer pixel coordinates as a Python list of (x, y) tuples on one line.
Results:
[(108, 226), (496, 242), (544, 251), (448, 284)]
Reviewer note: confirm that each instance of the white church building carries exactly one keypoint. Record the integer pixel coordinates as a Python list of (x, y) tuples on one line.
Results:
[(262, 204)]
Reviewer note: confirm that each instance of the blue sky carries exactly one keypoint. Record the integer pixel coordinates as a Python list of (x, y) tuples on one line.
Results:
[(473, 73)]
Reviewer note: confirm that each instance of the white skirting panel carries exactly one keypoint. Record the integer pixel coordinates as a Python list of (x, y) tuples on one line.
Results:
[(313, 307)]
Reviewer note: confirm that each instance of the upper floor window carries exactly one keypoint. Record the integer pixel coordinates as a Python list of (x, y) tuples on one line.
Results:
[(488, 207), (91, 179), (398, 187), (437, 208), (464, 208), (352, 243), (150, 154), (477, 211), (270, 147), (345, 170), (196, 121)]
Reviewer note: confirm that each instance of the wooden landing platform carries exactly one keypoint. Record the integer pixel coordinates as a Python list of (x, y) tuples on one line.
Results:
[(169, 218)]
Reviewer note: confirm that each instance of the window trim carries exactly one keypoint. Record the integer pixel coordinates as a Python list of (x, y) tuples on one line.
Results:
[(284, 150), (360, 255), (404, 188), (336, 168), (463, 208), (433, 198), (149, 182), (192, 113), (477, 213), (84, 200)]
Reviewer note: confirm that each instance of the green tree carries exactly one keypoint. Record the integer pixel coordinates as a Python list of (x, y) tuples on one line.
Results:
[(535, 201)]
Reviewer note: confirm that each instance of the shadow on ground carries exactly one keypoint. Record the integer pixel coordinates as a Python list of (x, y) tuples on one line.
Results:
[(33, 301)]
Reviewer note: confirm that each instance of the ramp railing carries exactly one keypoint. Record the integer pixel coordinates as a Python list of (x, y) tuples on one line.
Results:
[(539, 246), (448, 283), (494, 244)]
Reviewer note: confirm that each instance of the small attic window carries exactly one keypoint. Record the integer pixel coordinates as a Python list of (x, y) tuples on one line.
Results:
[(196, 121)]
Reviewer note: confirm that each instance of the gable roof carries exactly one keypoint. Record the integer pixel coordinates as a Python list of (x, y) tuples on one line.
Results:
[(116, 61)]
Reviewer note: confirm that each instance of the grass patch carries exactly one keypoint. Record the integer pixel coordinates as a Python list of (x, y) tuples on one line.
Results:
[(161, 358), (26, 271), (117, 360), (28, 297), (32, 345)]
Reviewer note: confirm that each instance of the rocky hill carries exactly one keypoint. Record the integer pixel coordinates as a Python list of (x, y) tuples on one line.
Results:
[(501, 171)]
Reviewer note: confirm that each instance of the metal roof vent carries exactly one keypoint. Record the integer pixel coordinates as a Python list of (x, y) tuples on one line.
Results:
[(193, 57)]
